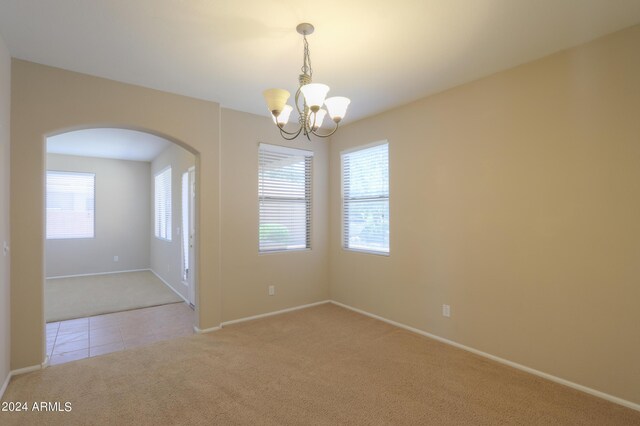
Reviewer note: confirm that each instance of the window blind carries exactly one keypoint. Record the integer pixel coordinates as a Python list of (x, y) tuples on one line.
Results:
[(162, 198), (284, 195), (365, 190), (70, 205), (185, 226)]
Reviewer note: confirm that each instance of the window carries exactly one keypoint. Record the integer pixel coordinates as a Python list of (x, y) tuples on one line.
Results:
[(365, 202), (163, 204), (70, 205), (185, 227), (284, 195)]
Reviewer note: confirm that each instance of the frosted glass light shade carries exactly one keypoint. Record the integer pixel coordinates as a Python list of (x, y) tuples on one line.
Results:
[(319, 117), (314, 94), (282, 119), (276, 99), (337, 107)]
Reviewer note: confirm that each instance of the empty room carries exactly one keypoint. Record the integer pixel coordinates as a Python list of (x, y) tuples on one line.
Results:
[(290, 213), (116, 276)]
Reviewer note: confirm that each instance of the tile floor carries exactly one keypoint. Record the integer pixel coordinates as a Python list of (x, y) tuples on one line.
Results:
[(86, 337)]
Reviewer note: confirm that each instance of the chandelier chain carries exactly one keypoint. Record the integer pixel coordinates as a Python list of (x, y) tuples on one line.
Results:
[(306, 60)]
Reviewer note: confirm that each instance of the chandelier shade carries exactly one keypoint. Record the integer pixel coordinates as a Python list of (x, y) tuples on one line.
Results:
[(309, 100), (337, 107), (314, 95), (316, 119), (276, 100), (283, 117)]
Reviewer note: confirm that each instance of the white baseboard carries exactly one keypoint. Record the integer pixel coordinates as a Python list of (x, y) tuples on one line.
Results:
[(515, 365), (19, 371), (96, 273), (206, 330), (268, 314), (27, 369), (5, 384), (168, 285)]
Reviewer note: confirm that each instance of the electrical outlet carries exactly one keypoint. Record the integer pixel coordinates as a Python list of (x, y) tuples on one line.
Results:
[(446, 311), (116, 258), (272, 290)]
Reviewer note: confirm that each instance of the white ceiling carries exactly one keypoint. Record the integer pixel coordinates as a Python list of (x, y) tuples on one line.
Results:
[(378, 53), (121, 144)]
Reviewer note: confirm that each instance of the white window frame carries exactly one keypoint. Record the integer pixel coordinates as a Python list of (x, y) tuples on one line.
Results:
[(185, 235), (163, 232), (69, 235), (278, 150), (373, 198)]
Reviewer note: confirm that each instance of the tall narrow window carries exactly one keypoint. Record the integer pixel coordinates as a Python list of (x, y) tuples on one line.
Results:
[(365, 202), (185, 227), (284, 194), (162, 191), (70, 205)]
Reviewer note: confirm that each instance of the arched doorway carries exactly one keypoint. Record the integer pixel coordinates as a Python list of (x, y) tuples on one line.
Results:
[(120, 234), (49, 101)]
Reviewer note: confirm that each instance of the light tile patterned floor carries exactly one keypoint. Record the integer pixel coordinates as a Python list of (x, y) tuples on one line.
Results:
[(86, 337)]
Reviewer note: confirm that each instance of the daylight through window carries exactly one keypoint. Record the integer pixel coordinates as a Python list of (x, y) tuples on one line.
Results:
[(284, 195), (162, 193), (365, 189), (70, 205)]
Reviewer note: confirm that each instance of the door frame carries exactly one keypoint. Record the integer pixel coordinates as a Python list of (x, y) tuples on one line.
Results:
[(191, 232)]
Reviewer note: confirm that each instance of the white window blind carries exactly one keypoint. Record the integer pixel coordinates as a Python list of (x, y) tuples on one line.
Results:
[(185, 226), (162, 191), (365, 190), (284, 194), (70, 205)]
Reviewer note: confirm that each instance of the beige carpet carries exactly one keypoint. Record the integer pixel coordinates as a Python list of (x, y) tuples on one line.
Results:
[(77, 297), (319, 366)]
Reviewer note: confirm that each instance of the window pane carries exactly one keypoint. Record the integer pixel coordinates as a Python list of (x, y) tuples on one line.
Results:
[(367, 172), (365, 179), (70, 205), (368, 225), (284, 224), (162, 196), (284, 192), (185, 226)]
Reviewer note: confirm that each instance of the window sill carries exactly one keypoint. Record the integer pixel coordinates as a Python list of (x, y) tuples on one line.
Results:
[(283, 251), (377, 253)]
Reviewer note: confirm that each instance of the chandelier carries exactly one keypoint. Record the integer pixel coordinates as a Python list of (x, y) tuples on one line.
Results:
[(309, 105)]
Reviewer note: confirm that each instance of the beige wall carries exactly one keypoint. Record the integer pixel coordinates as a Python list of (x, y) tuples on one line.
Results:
[(5, 309), (47, 101), (122, 215), (300, 277), (515, 199), (166, 256)]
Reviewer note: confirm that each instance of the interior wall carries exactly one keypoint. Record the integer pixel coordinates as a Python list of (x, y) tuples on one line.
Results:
[(299, 277), (166, 256), (5, 307), (46, 101), (122, 198), (514, 199)]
